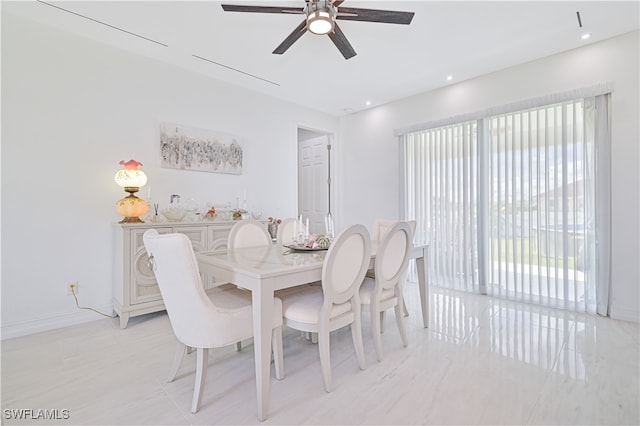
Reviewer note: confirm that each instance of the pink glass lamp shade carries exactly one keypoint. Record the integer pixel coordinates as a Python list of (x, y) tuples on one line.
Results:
[(131, 179)]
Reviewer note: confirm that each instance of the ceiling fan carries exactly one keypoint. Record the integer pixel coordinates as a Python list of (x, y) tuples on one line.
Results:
[(321, 16)]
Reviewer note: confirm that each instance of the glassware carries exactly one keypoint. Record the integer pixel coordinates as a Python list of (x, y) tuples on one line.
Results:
[(191, 207)]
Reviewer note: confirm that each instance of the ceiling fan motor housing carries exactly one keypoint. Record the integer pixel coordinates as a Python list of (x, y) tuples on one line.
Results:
[(321, 16)]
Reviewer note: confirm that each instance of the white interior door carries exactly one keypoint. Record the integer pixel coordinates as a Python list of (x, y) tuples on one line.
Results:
[(313, 181)]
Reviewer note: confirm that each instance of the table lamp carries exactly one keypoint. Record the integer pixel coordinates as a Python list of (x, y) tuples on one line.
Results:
[(131, 179)]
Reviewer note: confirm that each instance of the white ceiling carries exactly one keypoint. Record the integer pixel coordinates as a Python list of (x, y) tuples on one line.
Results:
[(462, 39)]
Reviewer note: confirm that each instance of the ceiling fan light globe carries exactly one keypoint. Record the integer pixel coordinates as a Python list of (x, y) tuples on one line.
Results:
[(320, 22)]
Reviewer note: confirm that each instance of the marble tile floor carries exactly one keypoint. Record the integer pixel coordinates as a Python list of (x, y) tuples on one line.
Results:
[(482, 361)]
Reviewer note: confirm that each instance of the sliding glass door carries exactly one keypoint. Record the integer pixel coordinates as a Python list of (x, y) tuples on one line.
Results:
[(508, 203)]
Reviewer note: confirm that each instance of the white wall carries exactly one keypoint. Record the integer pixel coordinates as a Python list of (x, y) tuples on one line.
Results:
[(71, 110), (369, 152)]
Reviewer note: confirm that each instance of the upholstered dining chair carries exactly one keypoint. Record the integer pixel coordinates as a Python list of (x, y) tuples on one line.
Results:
[(285, 230), (412, 225), (378, 232), (335, 304), (248, 233), (380, 229), (385, 290), (200, 320), (285, 236)]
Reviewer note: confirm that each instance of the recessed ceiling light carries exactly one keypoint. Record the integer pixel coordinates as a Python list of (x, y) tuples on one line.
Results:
[(585, 36), (368, 103), (449, 77)]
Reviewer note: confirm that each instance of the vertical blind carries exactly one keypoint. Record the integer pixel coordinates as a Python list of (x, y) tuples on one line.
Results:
[(539, 211), (510, 204), (441, 193)]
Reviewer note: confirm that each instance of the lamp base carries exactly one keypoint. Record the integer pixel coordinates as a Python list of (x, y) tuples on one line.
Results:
[(131, 208), (131, 220)]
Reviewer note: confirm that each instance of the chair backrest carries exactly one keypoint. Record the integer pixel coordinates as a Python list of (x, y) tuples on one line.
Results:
[(412, 225), (248, 233), (393, 256), (345, 264), (285, 230), (380, 228), (190, 310)]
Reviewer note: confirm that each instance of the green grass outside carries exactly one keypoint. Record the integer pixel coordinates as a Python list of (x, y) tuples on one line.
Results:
[(523, 256)]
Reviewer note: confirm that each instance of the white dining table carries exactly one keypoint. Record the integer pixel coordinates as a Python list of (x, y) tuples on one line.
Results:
[(263, 270)]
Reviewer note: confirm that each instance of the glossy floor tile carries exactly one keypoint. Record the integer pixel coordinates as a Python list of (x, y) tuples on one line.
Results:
[(482, 361)]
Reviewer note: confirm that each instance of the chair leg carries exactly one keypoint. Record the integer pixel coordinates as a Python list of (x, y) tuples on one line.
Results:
[(403, 281), (201, 376), (401, 325), (181, 349), (356, 334), (278, 356), (325, 359), (376, 320)]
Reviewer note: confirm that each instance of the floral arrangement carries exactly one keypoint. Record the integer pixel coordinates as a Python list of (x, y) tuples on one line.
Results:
[(211, 213), (274, 220), (318, 241), (238, 213)]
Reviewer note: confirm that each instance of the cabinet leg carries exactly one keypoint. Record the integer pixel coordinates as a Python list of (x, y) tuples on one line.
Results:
[(124, 319)]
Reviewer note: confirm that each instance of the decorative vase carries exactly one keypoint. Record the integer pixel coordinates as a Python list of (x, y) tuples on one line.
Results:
[(272, 227)]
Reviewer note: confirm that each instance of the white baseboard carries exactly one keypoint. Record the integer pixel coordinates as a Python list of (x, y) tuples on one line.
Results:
[(625, 314), (39, 325)]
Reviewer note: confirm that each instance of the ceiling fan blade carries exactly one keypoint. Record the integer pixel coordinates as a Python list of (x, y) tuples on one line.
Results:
[(340, 40), (291, 38), (374, 15), (261, 9)]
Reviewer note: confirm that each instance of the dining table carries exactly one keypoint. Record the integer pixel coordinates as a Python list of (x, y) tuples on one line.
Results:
[(263, 270)]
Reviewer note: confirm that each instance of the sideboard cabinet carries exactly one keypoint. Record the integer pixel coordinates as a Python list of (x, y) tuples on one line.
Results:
[(135, 290)]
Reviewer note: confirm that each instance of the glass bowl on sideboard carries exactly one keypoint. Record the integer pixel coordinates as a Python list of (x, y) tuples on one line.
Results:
[(174, 214)]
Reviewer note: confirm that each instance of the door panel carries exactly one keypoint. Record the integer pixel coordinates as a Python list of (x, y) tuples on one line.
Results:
[(313, 185)]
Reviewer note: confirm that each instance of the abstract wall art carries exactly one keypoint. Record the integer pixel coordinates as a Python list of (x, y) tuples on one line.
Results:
[(190, 148)]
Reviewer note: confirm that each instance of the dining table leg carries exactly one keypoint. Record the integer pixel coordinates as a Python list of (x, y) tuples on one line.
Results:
[(262, 301), (423, 284)]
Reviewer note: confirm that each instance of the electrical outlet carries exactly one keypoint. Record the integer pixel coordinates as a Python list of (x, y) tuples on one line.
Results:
[(72, 285)]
